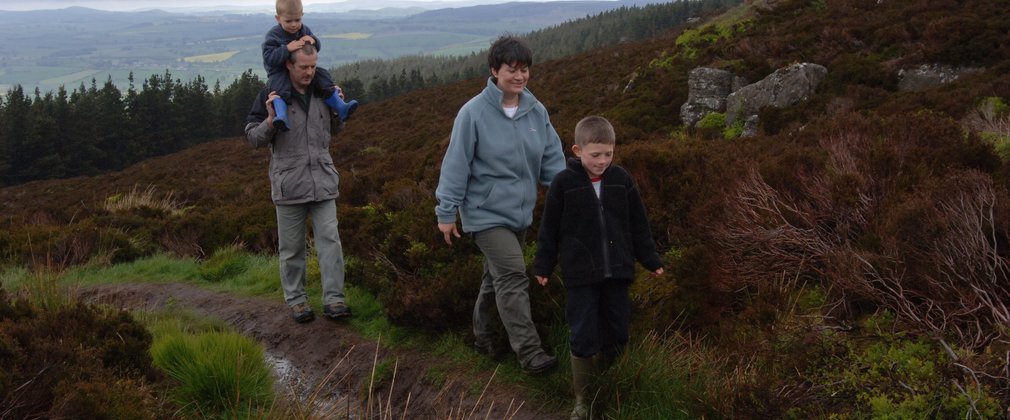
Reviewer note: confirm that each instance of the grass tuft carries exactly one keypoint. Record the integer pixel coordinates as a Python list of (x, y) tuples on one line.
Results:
[(136, 199), (220, 374)]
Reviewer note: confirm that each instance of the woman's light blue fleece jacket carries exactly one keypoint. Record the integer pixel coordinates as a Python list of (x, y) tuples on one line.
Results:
[(493, 163)]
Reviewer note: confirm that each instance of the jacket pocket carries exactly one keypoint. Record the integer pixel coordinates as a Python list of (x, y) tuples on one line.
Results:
[(487, 197), (330, 179), (289, 180)]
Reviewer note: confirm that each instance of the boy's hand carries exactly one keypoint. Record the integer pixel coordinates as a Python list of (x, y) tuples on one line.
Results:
[(448, 230), (658, 272), (295, 45), (542, 280), (308, 39)]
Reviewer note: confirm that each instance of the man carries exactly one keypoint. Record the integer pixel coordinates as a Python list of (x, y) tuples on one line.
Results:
[(303, 182)]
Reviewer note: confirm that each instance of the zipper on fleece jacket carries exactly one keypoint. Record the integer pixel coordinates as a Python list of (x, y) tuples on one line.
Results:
[(603, 234)]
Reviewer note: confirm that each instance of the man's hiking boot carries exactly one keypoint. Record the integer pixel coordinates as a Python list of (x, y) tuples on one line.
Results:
[(336, 310), (540, 363), (491, 348), (302, 313)]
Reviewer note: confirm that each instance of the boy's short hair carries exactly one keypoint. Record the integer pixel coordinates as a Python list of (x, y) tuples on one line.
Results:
[(594, 129), (286, 7), (509, 49)]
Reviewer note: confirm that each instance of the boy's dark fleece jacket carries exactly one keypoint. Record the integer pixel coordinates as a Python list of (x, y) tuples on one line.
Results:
[(571, 228)]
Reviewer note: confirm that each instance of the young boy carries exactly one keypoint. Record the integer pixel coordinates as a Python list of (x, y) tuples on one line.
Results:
[(291, 35), (595, 220)]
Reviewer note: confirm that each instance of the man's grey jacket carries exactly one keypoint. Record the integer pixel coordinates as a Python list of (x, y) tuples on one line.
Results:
[(301, 168)]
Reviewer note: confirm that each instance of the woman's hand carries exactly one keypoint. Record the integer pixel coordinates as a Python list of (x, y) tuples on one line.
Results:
[(448, 231)]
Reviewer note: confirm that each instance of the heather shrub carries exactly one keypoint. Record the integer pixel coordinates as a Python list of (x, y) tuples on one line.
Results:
[(966, 39), (74, 360), (901, 216), (63, 246), (858, 69), (680, 182), (419, 280), (683, 297)]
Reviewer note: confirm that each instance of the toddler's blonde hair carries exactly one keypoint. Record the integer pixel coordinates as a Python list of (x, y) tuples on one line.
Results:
[(288, 7)]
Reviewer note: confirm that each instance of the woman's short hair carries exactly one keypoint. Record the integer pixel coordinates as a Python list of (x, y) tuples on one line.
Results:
[(509, 49)]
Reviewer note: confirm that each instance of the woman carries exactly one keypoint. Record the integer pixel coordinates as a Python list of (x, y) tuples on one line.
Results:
[(502, 146)]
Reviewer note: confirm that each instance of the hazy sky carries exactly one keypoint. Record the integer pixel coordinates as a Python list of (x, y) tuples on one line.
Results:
[(126, 5)]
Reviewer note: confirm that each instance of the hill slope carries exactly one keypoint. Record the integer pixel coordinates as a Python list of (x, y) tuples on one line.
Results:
[(835, 238)]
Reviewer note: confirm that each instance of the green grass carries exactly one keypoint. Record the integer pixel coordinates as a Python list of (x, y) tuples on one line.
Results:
[(219, 374), (642, 381), (654, 379), (156, 269)]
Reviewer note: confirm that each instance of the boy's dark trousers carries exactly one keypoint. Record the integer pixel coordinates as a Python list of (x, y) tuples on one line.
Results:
[(598, 317)]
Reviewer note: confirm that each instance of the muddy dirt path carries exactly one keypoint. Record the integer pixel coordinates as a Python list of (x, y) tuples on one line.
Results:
[(328, 365)]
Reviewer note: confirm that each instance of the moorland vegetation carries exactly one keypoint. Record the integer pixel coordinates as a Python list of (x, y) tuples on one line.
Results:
[(849, 261)]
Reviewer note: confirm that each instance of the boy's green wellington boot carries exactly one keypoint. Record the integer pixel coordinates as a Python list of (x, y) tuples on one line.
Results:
[(583, 370)]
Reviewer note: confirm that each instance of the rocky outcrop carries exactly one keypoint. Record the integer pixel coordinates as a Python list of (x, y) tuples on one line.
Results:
[(928, 76), (714, 90), (707, 92), (786, 86)]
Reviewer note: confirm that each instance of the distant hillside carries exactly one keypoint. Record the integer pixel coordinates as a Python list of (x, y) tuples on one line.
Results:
[(383, 78), (850, 260), (67, 47), (523, 13)]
